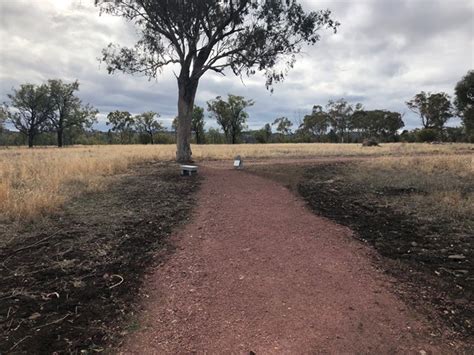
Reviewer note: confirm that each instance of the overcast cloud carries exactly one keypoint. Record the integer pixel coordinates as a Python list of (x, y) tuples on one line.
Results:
[(385, 52)]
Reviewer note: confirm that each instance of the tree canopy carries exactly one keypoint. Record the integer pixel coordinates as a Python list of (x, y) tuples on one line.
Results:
[(283, 125), (315, 124), (434, 109), (146, 123), (464, 100), (339, 115), (3, 117), (377, 123), (121, 122), (32, 109), (198, 123), (264, 134), (243, 35), (68, 110), (230, 115)]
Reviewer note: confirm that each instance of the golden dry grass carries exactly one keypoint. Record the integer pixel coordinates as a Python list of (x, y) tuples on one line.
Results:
[(322, 150), (443, 184), (37, 181)]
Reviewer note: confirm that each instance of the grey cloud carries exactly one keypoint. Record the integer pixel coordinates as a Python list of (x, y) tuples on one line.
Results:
[(383, 54)]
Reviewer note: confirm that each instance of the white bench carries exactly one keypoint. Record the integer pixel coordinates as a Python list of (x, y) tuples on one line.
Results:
[(188, 170)]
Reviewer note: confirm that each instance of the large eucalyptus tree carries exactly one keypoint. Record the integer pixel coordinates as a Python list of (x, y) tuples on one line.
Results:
[(244, 35)]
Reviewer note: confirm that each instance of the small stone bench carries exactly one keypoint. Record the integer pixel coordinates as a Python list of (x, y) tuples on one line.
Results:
[(188, 170)]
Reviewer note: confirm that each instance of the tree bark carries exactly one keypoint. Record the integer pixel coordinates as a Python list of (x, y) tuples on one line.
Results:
[(60, 137), (31, 137), (187, 92), (151, 138)]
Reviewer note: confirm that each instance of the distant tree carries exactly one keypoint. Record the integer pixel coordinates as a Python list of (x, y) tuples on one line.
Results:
[(454, 134), (243, 35), (340, 113), (264, 135), (230, 115), (464, 101), (283, 125), (332, 136), (174, 125), (408, 136), (122, 122), (32, 110), (3, 117), (68, 111), (377, 123), (214, 136), (146, 123), (434, 109), (392, 122), (427, 134), (197, 124), (315, 124)]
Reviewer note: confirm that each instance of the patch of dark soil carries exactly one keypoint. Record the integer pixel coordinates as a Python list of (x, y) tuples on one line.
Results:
[(70, 287), (433, 259)]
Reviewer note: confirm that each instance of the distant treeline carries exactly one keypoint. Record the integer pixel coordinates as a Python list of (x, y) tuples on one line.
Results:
[(51, 114)]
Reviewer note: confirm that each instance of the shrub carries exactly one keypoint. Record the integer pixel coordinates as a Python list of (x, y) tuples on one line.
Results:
[(370, 142)]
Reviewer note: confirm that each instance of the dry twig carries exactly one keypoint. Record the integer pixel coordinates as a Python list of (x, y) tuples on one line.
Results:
[(118, 283)]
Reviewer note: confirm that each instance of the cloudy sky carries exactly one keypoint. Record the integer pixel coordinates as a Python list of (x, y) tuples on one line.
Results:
[(385, 52)]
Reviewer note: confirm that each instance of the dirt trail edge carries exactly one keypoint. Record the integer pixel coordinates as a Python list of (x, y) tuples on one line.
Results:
[(257, 271)]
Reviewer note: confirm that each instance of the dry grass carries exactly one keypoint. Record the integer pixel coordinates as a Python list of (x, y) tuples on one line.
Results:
[(442, 187), (322, 150), (37, 181)]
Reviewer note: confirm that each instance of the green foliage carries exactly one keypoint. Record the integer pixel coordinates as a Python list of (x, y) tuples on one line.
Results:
[(315, 124), (377, 123), (408, 136), (283, 125), (69, 112), (434, 109), (427, 135), (214, 136), (339, 113), (32, 110), (3, 118), (243, 35), (454, 134), (123, 123), (165, 138), (464, 101), (197, 124), (230, 115), (264, 135), (148, 126), (174, 124)]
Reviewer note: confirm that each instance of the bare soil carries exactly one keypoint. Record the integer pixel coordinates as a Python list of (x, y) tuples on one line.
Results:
[(69, 284), (257, 272)]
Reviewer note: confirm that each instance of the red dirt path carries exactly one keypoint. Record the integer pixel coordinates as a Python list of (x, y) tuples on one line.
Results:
[(255, 270)]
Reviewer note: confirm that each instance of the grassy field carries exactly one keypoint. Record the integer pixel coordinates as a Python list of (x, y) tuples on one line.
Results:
[(37, 181), (436, 187)]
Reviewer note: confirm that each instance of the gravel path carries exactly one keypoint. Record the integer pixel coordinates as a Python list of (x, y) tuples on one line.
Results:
[(256, 271)]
